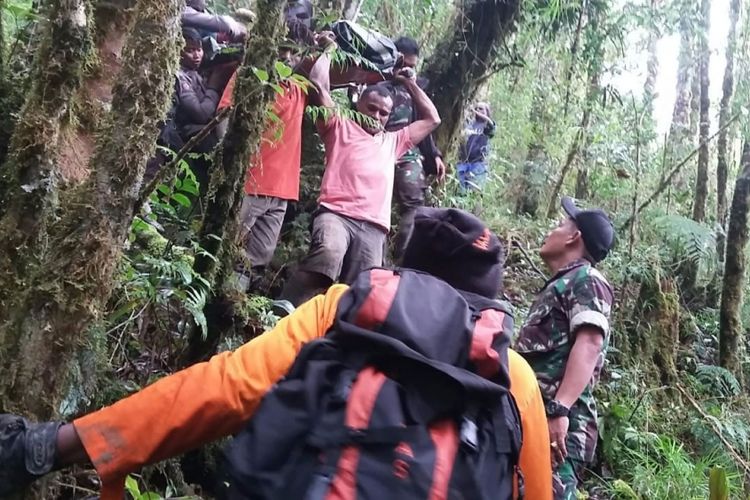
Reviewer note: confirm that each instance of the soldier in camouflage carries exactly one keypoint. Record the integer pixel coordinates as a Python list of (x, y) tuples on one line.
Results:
[(565, 338), (409, 183)]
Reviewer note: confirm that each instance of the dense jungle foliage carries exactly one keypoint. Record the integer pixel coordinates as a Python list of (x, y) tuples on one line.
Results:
[(635, 106)]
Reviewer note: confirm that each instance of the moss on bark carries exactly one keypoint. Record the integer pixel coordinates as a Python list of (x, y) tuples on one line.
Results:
[(730, 321), (55, 300), (246, 125), (655, 346), (28, 179), (462, 61)]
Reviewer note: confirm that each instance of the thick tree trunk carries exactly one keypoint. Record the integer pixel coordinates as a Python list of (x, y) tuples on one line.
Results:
[(679, 130), (722, 163), (56, 298), (29, 177), (730, 321), (246, 125), (462, 61), (701, 180), (16, 67), (78, 137)]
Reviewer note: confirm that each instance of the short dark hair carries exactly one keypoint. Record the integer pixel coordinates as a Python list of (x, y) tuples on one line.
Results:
[(407, 46), (378, 89), (192, 35)]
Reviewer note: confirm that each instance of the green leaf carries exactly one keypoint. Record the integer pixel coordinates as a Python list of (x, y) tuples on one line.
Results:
[(182, 200), (283, 70), (164, 189), (718, 484), (261, 74), (277, 88), (132, 486)]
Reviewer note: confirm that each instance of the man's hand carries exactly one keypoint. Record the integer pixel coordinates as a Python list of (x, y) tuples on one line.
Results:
[(404, 76), (326, 40), (440, 169), (237, 31), (27, 451), (558, 433)]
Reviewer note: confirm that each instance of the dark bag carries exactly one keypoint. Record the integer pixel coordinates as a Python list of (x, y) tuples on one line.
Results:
[(390, 404), (368, 44)]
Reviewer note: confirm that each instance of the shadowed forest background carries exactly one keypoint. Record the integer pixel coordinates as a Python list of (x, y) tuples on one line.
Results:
[(636, 106)]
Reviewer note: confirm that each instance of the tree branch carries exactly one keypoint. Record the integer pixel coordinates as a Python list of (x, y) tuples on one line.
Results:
[(667, 180), (167, 169)]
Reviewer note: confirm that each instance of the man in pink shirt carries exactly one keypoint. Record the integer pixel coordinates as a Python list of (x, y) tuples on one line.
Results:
[(354, 216)]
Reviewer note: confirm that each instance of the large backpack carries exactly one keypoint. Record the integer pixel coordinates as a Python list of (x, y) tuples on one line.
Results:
[(405, 398), (368, 44)]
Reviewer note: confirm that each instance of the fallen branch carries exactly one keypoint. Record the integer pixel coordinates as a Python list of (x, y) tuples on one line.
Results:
[(667, 181), (517, 244), (732, 451)]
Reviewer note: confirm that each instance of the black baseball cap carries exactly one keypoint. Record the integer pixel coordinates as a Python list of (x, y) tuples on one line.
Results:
[(596, 228)]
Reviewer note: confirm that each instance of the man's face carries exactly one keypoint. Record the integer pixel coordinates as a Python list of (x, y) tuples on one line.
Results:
[(410, 61), (559, 239), (298, 12), (376, 107), (289, 57), (192, 54)]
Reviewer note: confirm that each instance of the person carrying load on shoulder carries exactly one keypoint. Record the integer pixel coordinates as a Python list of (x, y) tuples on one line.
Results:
[(374, 337)]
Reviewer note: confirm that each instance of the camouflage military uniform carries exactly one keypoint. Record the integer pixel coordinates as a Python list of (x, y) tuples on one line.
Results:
[(578, 295), (409, 184)]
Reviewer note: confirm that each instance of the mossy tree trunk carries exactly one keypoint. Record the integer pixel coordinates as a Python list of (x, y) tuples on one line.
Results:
[(246, 125), (29, 176), (679, 130), (701, 179), (112, 19), (16, 65), (464, 59), (722, 143), (730, 321), (49, 304), (656, 337)]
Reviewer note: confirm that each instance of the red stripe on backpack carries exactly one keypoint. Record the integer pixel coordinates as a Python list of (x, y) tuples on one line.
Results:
[(375, 309), (484, 356), (359, 408)]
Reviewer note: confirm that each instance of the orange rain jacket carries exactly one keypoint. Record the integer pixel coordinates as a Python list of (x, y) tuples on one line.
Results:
[(214, 399)]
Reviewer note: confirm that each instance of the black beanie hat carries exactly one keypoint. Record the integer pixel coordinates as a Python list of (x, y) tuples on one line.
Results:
[(458, 248)]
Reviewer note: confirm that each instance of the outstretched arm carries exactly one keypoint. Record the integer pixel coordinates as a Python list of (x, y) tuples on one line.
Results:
[(187, 409)]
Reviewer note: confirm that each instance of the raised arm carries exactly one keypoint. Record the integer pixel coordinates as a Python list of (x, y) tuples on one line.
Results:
[(320, 74), (428, 115), (213, 22)]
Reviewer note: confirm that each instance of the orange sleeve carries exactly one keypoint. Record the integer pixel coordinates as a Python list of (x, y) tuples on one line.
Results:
[(535, 461), (227, 97), (201, 403)]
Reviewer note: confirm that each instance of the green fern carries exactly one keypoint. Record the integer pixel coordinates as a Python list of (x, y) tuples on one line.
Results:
[(718, 381), (691, 240), (325, 113), (195, 301)]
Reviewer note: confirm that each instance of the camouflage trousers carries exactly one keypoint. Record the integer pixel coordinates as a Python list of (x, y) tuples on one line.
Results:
[(565, 479)]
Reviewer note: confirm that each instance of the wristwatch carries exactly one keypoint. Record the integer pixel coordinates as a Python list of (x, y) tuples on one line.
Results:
[(554, 409)]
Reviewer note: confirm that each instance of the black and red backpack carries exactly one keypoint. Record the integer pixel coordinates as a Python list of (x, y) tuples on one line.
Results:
[(406, 397)]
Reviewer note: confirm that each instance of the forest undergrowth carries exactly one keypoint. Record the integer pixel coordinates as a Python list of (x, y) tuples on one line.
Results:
[(663, 435), (576, 89)]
